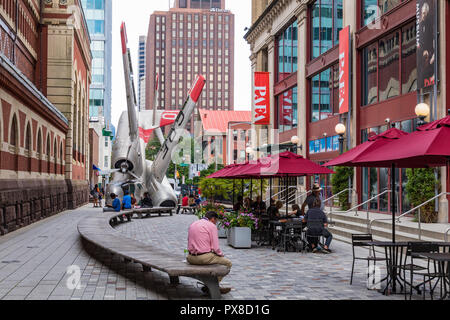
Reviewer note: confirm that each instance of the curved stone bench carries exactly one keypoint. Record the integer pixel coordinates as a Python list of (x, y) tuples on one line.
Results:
[(97, 230)]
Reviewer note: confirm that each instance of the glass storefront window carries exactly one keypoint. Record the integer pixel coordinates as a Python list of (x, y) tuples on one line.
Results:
[(326, 22), (387, 63), (287, 110), (372, 9), (287, 52), (325, 94)]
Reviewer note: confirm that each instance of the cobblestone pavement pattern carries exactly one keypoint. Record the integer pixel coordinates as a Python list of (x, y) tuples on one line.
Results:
[(34, 262)]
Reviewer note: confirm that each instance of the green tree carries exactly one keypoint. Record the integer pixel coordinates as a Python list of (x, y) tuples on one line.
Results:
[(340, 183), (420, 187)]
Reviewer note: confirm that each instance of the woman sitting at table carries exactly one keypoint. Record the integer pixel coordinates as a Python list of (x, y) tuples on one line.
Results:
[(247, 204), (274, 211), (239, 204), (296, 212)]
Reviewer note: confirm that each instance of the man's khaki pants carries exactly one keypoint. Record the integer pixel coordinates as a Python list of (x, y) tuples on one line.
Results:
[(209, 258)]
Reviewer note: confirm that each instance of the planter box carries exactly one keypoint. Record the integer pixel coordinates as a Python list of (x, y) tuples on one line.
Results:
[(240, 238), (222, 232)]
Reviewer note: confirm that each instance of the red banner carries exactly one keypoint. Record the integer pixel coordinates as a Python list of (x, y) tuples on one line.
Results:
[(344, 70), (261, 98)]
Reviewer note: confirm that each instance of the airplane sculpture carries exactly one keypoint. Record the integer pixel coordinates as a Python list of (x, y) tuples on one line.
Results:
[(131, 170)]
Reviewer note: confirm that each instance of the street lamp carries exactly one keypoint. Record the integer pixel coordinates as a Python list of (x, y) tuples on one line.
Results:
[(340, 130), (249, 151), (422, 111)]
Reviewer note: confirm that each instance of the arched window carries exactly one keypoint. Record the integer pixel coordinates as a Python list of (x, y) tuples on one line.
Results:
[(13, 136), (28, 146), (48, 153), (61, 158), (55, 154), (14, 141), (39, 150)]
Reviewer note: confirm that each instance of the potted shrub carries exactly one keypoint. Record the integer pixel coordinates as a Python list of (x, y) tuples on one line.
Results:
[(239, 228), (420, 188)]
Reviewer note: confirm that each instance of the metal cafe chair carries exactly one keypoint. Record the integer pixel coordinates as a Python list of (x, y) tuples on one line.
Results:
[(419, 270), (360, 240), (291, 237), (312, 232)]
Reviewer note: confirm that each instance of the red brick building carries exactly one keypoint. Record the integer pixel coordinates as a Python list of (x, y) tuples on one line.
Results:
[(43, 110)]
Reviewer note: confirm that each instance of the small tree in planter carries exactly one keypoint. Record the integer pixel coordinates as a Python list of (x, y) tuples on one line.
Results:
[(340, 183), (420, 188)]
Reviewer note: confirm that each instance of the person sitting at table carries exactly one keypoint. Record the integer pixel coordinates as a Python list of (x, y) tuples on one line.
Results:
[(247, 204), (126, 201), (239, 204), (317, 222), (274, 211), (259, 206), (296, 212)]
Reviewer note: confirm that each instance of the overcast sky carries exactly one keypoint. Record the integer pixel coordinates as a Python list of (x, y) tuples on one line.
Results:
[(136, 14)]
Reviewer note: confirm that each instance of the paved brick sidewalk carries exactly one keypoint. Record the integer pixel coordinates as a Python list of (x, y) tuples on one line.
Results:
[(34, 262)]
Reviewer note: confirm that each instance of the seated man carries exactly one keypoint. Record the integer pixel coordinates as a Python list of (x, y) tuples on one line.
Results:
[(317, 222), (259, 206), (146, 201), (115, 207), (203, 245), (126, 201), (274, 210)]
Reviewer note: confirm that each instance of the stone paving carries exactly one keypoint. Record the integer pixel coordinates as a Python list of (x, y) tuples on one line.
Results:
[(34, 262)]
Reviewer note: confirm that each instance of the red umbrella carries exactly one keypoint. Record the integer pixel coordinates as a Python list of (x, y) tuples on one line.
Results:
[(286, 164), (429, 146), (375, 142)]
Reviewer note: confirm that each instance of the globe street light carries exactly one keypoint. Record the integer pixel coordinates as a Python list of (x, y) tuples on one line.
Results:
[(249, 151), (340, 130), (422, 111)]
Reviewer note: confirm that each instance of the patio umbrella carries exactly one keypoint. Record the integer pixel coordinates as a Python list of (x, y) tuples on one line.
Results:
[(348, 158), (427, 147), (283, 165)]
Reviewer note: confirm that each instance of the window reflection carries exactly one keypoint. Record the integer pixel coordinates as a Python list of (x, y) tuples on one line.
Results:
[(388, 65), (287, 43)]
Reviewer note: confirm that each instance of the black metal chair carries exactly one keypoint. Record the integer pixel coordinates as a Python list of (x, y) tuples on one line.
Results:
[(314, 229), (420, 270), (291, 237), (263, 234), (360, 240)]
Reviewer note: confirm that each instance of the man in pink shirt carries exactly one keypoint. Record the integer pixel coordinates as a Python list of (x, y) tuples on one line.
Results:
[(203, 244)]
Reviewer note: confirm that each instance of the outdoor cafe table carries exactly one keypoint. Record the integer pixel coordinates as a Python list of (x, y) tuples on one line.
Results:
[(441, 258), (394, 252), (280, 225)]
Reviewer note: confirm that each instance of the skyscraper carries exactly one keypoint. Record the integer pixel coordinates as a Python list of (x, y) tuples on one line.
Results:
[(98, 15), (141, 73), (193, 37)]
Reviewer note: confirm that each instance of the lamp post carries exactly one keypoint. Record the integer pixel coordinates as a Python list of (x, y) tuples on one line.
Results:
[(249, 151), (422, 111), (340, 130), (295, 141)]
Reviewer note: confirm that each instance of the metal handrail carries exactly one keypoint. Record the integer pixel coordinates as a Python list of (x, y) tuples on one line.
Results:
[(284, 190), (446, 234), (338, 194), (365, 202), (411, 211), (303, 194)]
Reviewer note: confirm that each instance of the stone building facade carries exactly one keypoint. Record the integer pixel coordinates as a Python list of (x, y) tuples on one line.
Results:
[(297, 41), (44, 79)]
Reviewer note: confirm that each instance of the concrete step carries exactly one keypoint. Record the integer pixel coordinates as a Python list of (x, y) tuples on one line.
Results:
[(404, 226)]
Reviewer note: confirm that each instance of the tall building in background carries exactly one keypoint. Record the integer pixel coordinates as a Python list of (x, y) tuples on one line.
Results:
[(141, 72), (98, 15), (193, 37)]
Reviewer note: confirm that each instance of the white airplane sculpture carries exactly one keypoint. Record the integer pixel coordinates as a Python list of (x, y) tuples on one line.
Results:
[(131, 170)]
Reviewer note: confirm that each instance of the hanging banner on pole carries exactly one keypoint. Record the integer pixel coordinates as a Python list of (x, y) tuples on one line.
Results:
[(287, 108), (344, 70), (426, 43), (261, 98)]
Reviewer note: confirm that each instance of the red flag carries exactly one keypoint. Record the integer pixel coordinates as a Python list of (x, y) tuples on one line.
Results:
[(344, 70), (261, 98)]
